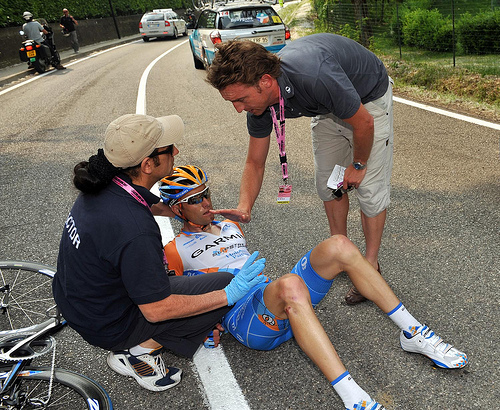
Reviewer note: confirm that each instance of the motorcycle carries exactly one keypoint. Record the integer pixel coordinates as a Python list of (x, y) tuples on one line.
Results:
[(38, 56)]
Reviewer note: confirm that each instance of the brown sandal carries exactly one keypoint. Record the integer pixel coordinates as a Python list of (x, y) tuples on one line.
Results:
[(353, 297)]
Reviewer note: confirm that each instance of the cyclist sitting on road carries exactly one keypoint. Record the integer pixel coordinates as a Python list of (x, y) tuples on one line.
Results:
[(111, 283), (33, 31), (273, 312)]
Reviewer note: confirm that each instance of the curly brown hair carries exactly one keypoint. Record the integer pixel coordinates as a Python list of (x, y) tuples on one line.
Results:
[(242, 62)]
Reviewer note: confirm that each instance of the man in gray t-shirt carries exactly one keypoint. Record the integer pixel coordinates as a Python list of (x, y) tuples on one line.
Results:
[(33, 30), (346, 91)]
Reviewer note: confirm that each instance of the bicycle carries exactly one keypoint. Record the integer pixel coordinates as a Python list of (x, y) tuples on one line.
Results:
[(25, 299)]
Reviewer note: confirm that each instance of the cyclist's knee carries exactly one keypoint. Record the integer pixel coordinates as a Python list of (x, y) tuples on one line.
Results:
[(339, 248), (293, 290)]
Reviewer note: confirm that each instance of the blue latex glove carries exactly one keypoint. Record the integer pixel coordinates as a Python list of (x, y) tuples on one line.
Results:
[(246, 279)]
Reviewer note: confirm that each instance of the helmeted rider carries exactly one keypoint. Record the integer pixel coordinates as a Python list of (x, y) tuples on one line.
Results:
[(33, 30), (184, 179)]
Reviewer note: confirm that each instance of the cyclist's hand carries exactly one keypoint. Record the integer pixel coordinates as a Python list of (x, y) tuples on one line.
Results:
[(246, 279), (233, 214)]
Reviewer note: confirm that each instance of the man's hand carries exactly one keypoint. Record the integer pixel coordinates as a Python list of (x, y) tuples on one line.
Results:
[(233, 214), (246, 279), (353, 177), (162, 209)]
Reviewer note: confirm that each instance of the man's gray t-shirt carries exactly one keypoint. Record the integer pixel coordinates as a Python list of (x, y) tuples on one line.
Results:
[(321, 74), (32, 30)]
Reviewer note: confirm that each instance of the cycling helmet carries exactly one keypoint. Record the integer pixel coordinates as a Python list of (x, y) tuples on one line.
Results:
[(27, 15), (183, 179)]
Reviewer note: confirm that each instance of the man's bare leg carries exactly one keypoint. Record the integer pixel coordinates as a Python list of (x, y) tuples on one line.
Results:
[(373, 229), (336, 212)]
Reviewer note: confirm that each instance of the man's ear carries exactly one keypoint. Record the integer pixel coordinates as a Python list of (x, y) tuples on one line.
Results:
[(147, 165), (176, 209), (266, 81)]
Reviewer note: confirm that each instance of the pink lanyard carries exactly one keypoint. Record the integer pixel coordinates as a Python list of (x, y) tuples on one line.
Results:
[(138, 197), (279, 128), (122, 184)]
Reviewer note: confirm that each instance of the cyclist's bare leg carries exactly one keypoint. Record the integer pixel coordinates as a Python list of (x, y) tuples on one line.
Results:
[(288, 298)]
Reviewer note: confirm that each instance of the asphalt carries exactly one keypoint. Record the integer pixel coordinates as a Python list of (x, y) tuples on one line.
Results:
[(19, 71)]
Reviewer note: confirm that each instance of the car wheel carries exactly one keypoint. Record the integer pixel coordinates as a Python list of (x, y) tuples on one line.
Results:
[(146, 39), (185, 31), (197, 63), (205, 60)]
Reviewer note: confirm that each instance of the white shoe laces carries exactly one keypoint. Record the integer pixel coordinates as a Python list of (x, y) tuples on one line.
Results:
[(160, 366)]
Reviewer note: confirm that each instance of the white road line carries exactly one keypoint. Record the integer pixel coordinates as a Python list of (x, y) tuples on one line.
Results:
[(448, 113), (140, 107), (221, 388), (219, 385)]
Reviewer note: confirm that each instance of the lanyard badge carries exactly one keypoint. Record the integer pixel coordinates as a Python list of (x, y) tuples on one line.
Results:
[(285, 190)]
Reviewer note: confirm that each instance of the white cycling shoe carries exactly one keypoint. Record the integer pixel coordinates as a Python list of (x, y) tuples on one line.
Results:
[(424, 341)]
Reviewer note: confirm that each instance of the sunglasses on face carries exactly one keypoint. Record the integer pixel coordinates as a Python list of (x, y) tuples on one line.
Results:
[(197, 198), (169, 151)]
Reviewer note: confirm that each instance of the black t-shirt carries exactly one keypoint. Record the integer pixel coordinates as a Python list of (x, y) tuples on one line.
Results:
[(110, 260), (68, 23), (321, 74)]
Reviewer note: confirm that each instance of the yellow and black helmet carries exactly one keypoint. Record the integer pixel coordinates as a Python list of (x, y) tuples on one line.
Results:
[(183, 179)]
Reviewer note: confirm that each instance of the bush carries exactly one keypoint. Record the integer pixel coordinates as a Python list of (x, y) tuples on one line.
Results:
[(479, 34), (11, 13), (427, 29)]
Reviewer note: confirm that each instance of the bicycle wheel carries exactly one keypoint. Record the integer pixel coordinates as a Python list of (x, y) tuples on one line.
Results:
[(70, 390), (25, 293)]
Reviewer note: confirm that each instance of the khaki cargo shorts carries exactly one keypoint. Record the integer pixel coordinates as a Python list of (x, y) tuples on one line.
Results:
[(333, 144)]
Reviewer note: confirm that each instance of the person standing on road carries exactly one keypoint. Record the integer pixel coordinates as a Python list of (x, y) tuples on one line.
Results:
[(35, 31), (346, 90), (275, 311), (111, 283), (68, 23)]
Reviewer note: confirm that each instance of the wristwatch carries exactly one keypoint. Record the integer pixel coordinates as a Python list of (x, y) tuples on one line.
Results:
[(359, 165)]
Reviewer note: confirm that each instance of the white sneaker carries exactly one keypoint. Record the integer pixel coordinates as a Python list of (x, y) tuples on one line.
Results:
[(147, 369), (424, 341), (364, 405)]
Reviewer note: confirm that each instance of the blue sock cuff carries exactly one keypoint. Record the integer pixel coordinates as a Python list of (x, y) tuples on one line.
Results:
[(346, 373), (396, 308)]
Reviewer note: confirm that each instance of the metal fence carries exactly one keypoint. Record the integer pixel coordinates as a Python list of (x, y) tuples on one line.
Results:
[(379, 25)]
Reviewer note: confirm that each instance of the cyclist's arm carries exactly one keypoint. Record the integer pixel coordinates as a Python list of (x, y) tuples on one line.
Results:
[(178, 306)]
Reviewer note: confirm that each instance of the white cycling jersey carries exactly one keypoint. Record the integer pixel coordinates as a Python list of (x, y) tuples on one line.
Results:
[(194, 251)]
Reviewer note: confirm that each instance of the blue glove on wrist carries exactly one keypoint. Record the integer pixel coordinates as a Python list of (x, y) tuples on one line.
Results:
[(246, 279)]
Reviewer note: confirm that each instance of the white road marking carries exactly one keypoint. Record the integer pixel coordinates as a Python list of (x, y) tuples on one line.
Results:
[(219, 386), (448, 113), (140, 107)]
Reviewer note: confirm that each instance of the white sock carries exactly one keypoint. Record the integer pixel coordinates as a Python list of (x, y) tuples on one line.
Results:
[(349, 391), (403, 318), (138, 350)]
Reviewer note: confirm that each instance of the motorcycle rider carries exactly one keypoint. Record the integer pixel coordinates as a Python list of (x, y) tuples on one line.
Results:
[(33, 30)]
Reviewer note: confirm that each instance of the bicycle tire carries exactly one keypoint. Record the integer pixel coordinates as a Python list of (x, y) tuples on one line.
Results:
[(70, 390), (29, 296)]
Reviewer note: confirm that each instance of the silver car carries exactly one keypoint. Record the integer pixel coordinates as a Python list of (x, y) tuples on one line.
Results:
[(162, 23), (256, 22)]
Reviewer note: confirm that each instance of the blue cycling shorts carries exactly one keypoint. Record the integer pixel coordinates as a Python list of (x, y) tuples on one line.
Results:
[(253, 325)]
